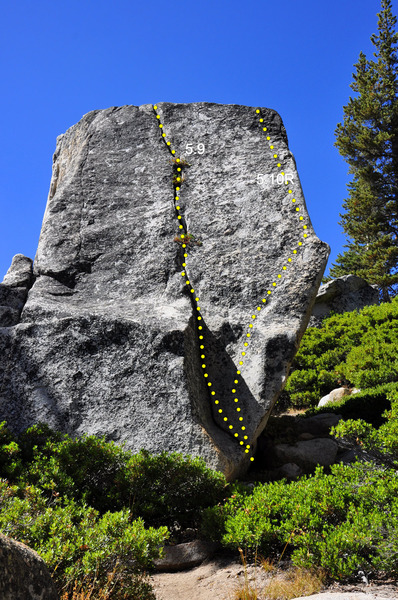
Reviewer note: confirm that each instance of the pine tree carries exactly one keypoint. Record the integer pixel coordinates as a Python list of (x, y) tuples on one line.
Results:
[(368, 140)]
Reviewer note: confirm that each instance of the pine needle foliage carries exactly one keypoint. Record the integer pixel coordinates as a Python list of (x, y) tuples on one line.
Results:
[(368, 140)]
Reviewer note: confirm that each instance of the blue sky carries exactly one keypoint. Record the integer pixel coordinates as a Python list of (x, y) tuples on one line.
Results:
[(60, 60)]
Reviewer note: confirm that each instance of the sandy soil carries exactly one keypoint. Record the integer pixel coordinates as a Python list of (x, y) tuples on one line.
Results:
[(218, 578)]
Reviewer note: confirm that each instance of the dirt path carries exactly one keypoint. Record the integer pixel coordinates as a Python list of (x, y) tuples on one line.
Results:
[(218, 578), (214, 579)]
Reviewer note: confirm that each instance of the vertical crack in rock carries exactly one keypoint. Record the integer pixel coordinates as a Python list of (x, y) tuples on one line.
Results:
[(107, 343), (280, 348), (198, 391)]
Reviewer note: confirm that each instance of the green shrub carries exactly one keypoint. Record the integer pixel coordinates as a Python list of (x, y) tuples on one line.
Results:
[(77, 542), (383, 439), (339, 522), (164, 489), (61, 491), (87, 469), (169, 488), (357, 349), (11, 464), (375, 361)]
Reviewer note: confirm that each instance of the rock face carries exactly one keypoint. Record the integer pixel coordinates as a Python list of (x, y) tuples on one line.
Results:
[(23, 573), (128, 334), (343, 294)]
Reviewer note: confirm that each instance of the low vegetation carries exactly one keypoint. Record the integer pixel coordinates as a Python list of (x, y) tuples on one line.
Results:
[(341, 522), (356, 349), (99, 515)]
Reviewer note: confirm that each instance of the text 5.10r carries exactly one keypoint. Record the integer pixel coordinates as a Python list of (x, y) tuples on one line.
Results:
[(286, 178)]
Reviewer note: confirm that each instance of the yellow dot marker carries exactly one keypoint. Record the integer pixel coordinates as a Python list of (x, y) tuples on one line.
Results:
[(284, 268)]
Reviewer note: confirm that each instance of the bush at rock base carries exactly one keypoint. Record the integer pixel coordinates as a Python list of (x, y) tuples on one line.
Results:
[(357, 349), (79, 544), (164, 489), (383, 439), (340, 522), (85, 506)]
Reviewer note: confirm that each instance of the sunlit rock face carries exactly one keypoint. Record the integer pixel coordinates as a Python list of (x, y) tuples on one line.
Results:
[(109, 341)]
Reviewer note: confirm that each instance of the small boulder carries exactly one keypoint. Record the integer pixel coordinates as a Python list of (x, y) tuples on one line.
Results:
[(334, 396), (23, 573), (20, 273), (308, 454), (290, 471), (304, 437), (185, 556), (343, 294), (349, 456), (318, 425)]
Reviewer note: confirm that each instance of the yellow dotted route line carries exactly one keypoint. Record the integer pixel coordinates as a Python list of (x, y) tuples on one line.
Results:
[(242, 437)]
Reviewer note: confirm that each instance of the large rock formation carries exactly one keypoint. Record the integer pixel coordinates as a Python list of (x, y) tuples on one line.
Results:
[(23, 573), (110, 341)]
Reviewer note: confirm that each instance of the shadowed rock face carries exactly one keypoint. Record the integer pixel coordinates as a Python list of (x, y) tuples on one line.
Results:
[(108, 341)]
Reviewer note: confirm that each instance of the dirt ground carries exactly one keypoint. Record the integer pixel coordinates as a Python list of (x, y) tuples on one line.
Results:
[(219, 577)]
